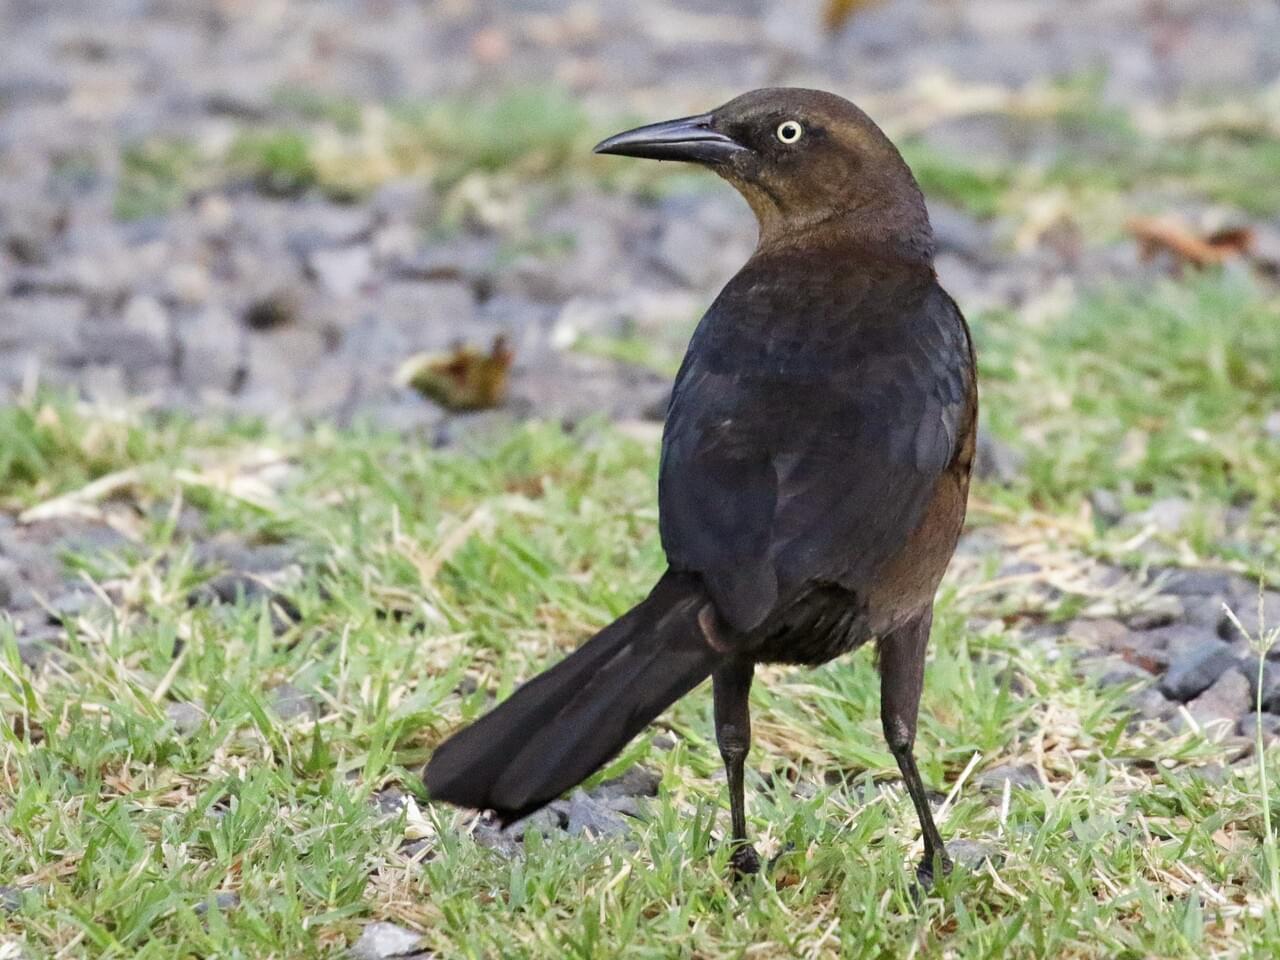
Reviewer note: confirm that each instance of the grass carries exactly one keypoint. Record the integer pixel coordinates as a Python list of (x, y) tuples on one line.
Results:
[(427, 581), (421, 569)]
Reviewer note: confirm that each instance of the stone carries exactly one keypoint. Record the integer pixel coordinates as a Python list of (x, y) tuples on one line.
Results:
[(1112, 671), (1158, 611), (1107, 507), (343, 271), (1269, 722), (1270, 683), (589, 817), (382, 941), (1221, 705), (1196, 669), (223, 900), (682, 252), (1199, 581), (995, 461), (186, 718), (1167, 515), (11, 898), (212, 352), (638, 781), (290, 702), (275, 310), (11, 586), (972, 854), (1150, 704), (1259, 617), (1016, 775)]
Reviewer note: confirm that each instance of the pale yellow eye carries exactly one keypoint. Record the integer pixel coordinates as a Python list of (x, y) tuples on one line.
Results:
[(789, 131)]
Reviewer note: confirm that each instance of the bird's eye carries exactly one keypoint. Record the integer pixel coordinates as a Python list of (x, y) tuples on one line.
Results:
[(789, 131)]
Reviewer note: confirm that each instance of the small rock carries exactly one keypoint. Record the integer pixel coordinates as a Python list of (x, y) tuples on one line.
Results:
[(1150, 704), (1193, 671), (1255, 620), (289, 702), (1271, 425), (1107, 507), (186, 718), (1020, 775), (996, 461), (589, 817), (271, 312), (1223, 703), (1200, 581), (1270, 726), (1167, 516), (1159, 611), (10, 582), (224, 900), (1203, 612), (37, 645), (1270, 683), (972, 854), (1114, 671), (381, 940), (343, 271), (10, 899), (389, 801), (639, 781)]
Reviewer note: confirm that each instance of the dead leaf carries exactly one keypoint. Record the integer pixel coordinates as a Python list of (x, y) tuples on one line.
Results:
[(462, 379), (1157, 235), (836, 13)]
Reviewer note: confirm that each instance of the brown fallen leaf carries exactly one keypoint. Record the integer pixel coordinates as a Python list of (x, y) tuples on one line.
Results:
[(465, 378), (836, 13), (1168, 235)]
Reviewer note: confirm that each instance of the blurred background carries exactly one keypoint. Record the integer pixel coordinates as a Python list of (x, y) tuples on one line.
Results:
[(270, 207), (295, 298)]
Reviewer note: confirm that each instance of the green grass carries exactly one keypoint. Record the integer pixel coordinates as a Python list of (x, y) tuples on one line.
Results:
[(421, 569)]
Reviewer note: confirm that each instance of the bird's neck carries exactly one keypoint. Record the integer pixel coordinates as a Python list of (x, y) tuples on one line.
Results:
[(886, 231)]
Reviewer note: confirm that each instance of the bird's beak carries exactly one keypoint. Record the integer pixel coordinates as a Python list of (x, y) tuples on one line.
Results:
[(690, 139)]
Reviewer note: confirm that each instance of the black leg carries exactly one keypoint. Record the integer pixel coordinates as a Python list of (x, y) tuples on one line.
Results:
[(901, 682), (731, 685)]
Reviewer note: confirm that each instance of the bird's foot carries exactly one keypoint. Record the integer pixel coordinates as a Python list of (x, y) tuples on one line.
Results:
[(927, 868), (744, 861)]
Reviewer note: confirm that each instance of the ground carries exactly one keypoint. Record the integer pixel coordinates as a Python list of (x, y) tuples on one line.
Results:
[(250, 578)]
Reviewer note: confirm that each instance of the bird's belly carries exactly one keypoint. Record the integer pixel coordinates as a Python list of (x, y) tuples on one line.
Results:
[(818, 626)]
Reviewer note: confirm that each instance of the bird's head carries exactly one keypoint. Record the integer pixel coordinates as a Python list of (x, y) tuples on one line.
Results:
[(805, 161)]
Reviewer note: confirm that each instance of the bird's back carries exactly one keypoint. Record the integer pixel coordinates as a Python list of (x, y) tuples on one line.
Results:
[(825, 399)]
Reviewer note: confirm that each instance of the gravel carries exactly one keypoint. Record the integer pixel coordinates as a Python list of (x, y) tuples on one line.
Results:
[(1196, 668)]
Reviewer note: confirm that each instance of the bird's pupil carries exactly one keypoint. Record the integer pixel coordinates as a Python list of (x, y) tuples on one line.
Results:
[(789, 131)]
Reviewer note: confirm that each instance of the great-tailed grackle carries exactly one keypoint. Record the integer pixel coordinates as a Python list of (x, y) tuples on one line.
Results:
[(814, 474)]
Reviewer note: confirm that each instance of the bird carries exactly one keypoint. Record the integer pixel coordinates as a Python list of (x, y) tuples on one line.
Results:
[(813, 477)]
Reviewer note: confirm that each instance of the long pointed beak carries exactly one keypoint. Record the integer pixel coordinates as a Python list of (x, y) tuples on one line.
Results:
[(690, 139)]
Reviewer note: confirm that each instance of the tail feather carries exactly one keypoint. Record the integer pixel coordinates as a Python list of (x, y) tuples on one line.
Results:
[(566, 723)]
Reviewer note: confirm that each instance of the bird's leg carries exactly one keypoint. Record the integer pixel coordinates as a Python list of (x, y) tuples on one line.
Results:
[(901, 682), (731, 685)]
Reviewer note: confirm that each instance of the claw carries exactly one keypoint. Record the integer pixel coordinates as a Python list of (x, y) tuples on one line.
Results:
[(744, 861)]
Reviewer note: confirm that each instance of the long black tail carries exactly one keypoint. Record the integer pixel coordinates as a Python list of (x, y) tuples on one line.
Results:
[(563, 725)]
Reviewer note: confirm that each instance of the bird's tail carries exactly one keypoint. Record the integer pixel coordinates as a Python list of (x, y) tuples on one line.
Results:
[(564, 724)]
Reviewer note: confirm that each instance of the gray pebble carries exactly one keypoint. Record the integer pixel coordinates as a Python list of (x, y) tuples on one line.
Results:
[(972, 854), (223, 900), (289, 702), (638, 781), (997, 462), (1017, 775), (1270, 726), (186, 718), (381, 941), (1196, 669), (1223, 703)]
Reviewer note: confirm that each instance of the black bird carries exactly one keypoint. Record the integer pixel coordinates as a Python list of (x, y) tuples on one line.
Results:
[(814, 474)]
